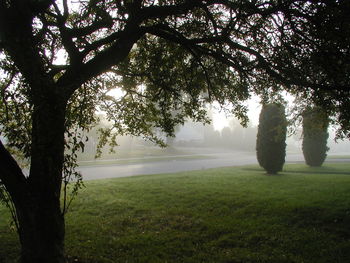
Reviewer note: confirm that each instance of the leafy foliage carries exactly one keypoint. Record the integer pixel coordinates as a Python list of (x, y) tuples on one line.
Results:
[(315, 135), (316, 42), (271, 138)]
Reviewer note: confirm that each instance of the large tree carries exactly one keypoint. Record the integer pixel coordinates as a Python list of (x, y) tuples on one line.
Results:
[(60, 59)]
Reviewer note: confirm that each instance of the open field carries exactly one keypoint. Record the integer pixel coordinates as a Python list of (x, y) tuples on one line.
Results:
[(235, 214)]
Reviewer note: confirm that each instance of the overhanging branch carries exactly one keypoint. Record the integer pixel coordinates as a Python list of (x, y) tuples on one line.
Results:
[(103, 61), (12, 176)]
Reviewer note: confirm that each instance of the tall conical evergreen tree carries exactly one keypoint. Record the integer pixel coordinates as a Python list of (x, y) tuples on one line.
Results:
[(315, 136), (271, 138)]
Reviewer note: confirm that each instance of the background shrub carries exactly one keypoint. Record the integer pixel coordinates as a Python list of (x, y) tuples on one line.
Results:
[(271, 138), (315, 136)]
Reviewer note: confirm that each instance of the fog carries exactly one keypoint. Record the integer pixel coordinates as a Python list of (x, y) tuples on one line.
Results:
[(222, 135)]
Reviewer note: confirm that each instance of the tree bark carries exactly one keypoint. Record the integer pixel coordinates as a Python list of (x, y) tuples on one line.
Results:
[(37, 197), (42, 226), (41, 232)]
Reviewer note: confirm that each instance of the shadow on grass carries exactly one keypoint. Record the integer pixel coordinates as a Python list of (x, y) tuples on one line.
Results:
[(319, 172), (335, 222), (306, 170)]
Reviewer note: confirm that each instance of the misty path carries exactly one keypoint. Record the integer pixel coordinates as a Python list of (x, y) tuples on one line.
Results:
[(215, 159)]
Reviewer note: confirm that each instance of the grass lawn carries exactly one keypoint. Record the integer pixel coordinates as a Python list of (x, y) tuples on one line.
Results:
[(218, 215)]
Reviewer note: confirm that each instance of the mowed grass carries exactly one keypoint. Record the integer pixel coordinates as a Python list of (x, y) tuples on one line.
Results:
[(235, 214)]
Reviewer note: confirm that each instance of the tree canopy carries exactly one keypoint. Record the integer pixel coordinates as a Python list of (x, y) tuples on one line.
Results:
[(205, 50)]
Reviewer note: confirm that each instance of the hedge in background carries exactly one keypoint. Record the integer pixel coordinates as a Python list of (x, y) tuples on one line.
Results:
[(315, 136), (271, 138)]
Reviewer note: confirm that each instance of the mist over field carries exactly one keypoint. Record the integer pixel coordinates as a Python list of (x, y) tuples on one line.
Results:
[(222, 135)]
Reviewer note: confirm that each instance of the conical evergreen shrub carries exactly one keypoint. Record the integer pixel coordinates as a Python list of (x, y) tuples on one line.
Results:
[(315, 136), (271, 138)]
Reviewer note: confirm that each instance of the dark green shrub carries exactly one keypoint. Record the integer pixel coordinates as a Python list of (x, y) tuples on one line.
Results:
[(315, 136), (271, 138)]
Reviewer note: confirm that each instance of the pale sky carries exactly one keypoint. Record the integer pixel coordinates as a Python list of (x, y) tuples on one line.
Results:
[(220, 120)]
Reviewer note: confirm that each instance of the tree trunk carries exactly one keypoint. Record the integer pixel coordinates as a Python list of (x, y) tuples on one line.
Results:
[(41, 232), (41, 222)]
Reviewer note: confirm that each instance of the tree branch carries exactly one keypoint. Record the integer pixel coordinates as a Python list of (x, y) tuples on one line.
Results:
[(67, 39), (84, 31), (104, 41), (12, 176), (193, 44), (168, 10), (103, 61)]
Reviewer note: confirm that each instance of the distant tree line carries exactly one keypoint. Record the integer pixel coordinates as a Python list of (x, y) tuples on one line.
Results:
[(234, 137)]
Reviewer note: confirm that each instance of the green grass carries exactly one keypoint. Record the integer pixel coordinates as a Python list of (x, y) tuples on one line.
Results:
[(219, 215)]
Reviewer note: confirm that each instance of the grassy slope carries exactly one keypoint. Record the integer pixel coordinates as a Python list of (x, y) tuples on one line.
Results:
[(218, 215)]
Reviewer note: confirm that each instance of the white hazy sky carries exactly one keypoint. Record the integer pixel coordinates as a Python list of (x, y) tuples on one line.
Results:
[(220, 120), (254, 107)]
